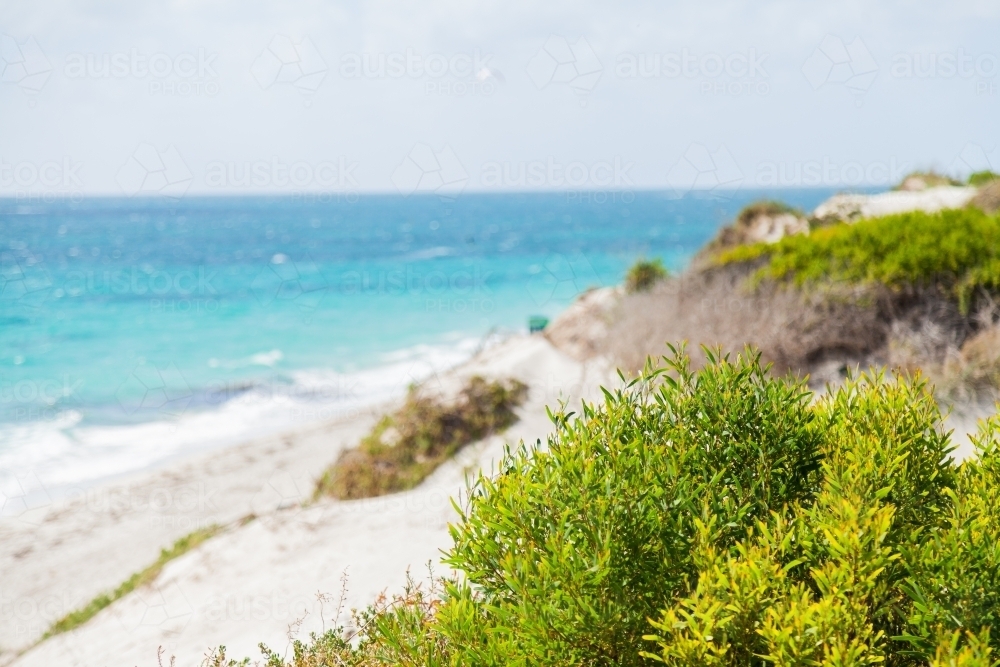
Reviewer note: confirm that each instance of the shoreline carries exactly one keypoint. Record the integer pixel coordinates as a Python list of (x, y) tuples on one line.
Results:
[(318, 397)]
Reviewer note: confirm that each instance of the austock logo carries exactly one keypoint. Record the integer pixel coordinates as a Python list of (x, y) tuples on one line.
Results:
[(23, 281), (150, 171), (329, 174), (560, 278), (835, 63), (559, 62), (425, 170), (283, 279), (735, 73), (23, 64), (23, 496), (612, 173), (184, 74), (976, 158), (148, 388), (700, 169), (285, 61)]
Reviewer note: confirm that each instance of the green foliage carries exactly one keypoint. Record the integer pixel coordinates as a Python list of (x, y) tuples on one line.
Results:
[(571, 548), (829, 583), (958, 250), (954, 572), (980, 178), (407, 446), (722, 518), (644, 274), (75, 619)]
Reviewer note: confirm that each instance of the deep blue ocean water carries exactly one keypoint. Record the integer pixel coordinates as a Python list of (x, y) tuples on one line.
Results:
[(132, 330)]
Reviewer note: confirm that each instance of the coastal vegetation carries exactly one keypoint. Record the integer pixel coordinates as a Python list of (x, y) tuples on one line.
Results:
[(914, 290), (955, 250), (644, 274), (720, 516), (406, 446), (147, 575), (981, 178)]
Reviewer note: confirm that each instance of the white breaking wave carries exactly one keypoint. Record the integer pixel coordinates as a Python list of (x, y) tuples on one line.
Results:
[(55, 457), (268, 359)]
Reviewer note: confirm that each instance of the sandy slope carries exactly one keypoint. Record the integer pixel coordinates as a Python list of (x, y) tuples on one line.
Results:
[(250, 583), (57, 559)]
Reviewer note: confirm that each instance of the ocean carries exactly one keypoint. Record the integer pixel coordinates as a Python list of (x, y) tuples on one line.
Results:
[(134, 331)]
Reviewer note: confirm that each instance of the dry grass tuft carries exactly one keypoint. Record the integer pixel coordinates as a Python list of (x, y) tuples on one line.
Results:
[(988, 197), (819, 332)]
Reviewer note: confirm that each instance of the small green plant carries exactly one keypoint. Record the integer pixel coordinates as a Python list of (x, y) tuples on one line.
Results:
[(75, 619), (644, 274), (957, 250), (405, 447), (981, 178)]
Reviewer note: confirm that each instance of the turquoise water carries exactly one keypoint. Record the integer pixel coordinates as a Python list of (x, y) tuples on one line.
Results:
[(132, 330)]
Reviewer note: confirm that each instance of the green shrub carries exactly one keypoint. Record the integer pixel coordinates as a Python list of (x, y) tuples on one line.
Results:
[(958, 250), (644, 274), (827, 583), (718, 517), (408, 445), (980, 178), (570, 549)]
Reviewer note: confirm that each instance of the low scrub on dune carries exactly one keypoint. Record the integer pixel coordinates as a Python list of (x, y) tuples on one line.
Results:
[(980, 178), (715, 517), (906, 291), (644, 274), (405, 447), (957, 250)]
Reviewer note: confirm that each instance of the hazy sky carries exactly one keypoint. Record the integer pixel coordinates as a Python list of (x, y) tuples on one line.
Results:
[(190, 97)]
